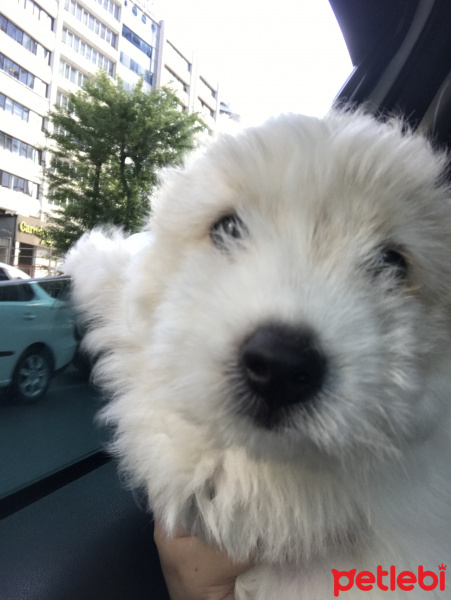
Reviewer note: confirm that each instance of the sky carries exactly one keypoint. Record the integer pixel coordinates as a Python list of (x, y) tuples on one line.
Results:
[(268, 57)]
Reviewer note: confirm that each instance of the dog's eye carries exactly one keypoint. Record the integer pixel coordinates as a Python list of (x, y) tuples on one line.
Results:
[(392, 261), (227, 228)]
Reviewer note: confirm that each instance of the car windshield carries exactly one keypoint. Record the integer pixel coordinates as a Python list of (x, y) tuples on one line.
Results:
[(64, 171), (48, 404)]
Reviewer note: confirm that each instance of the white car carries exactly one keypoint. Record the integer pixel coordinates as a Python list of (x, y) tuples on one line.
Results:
[(37, 338), (8, 272)]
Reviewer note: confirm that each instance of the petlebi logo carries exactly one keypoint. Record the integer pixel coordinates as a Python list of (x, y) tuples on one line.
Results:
[(389, 580)]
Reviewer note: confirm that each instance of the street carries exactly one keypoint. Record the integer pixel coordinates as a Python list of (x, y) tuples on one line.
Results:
[(38, 439)]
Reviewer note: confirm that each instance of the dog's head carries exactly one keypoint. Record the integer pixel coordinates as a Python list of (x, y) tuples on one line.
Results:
[(295, 294)]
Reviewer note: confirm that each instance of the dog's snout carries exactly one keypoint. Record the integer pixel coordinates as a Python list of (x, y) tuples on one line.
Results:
[(283, 366)]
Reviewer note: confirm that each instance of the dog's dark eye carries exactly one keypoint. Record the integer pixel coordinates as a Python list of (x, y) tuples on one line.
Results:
[(390, 261), (227, 228)]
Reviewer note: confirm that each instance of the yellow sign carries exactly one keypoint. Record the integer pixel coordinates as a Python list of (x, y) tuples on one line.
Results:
[(30, 229)]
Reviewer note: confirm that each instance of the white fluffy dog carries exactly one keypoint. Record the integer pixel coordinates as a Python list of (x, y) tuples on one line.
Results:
[(279, 356)]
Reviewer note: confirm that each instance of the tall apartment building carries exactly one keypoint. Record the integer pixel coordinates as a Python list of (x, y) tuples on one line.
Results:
[(50, 47)]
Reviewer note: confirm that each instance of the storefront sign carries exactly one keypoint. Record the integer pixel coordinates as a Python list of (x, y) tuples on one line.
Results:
[(24, 227), (29, 230)]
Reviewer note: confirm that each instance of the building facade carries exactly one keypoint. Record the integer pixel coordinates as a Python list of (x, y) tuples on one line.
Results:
[(49, 48)]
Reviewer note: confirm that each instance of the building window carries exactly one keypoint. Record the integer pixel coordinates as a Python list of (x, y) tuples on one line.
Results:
[(22, 75), (129, 35), (88, 52), (19, 184), (136, 68), (209, 91), (111, 7), (59, 130), (62, 100), (18, 147), (39, 13), (23, 39), (90, 21), (176, 81), (72, 74), (15, 108), (205, 109)]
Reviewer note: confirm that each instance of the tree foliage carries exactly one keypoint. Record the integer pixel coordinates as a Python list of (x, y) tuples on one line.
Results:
[(107, 146)]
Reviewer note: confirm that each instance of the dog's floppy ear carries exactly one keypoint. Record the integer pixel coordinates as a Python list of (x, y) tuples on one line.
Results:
[(98, 265)]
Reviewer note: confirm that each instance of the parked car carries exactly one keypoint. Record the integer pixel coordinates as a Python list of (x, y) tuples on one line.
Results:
[(37, 335), (8, 272)]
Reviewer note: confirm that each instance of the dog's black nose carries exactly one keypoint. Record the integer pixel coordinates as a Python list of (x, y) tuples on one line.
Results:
[(283, 366)]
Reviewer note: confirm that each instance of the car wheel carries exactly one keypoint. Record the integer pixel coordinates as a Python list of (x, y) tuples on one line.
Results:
[(31, 376)]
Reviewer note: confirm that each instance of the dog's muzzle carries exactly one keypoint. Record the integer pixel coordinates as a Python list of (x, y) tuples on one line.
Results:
[(283, 367)]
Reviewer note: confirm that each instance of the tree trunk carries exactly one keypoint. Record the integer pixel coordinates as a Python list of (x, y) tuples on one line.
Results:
[(96, 186), (128, 219)]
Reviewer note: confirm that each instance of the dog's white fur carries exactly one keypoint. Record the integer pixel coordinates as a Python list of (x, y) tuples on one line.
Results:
[(363, 478)]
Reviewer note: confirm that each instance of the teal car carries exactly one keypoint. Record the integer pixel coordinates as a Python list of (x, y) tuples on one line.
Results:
[(37, 335)]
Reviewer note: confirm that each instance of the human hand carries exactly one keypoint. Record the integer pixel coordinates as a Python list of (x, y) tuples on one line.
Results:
[(195, 571)]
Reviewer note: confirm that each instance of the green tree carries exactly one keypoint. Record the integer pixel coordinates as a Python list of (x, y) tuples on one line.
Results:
[(108, 145)]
